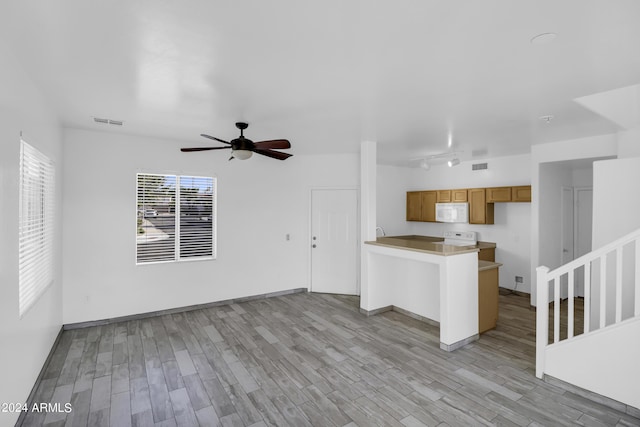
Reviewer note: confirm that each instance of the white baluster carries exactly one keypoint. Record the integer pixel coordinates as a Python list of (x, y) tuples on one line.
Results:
[(587, 296), (542, 318), (636, 310), (570, 285), (618, 284), (603, 290), (556, 309)]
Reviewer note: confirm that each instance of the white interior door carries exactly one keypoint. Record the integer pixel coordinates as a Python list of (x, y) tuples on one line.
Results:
[(334, 241)]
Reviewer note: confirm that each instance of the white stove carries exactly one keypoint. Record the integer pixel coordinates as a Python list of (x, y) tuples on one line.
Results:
[(460, 238)]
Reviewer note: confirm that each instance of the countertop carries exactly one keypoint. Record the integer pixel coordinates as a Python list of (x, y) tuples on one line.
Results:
[(487, 265), (427, 244)]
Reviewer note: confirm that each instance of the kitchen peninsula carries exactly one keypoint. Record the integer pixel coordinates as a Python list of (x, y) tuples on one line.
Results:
[(425, 278)]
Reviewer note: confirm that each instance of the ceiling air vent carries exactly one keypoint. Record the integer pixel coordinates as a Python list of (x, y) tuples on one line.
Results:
[(108, 121), (479, 166)]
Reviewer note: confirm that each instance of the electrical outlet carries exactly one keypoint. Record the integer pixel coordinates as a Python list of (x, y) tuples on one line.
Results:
[(519, 279)]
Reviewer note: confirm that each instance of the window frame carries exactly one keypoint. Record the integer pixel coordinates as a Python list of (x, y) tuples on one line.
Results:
[(177, 215)]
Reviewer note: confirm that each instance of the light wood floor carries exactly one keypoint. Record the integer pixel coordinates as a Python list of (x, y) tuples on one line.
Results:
[(306, 359)]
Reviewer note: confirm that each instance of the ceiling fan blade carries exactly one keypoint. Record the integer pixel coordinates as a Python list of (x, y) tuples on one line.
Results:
[(215, 139), (275, 143), (186, 150), (273, 154)]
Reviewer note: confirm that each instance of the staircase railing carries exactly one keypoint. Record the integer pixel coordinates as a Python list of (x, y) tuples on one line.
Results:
[(547, 280)]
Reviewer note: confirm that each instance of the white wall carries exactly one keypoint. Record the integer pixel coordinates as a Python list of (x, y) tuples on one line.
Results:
[(25, 342), (511, 230), (629, 143), (259, 201), (607, 370), (392, 185), (553, 176), (615, 189)]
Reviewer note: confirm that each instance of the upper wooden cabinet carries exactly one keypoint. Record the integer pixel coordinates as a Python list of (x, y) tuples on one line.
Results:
[(521, 193), (444, 196), (414, 206), (498, 194), (421, 205), (458, 196), (480, 212), (429, 199)]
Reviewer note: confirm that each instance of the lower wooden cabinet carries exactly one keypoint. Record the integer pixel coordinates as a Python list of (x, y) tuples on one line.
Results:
[(487, 254), (487, 299)]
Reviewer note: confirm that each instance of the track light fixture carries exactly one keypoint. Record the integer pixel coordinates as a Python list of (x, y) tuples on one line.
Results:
[(452, 159)]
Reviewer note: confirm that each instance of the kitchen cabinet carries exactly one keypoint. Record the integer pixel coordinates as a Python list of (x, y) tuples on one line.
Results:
[(428, 202), (480, 212), (414, 206), (498, 194), (487, 254), (444, 196), (521, 193), (488, 279), (421, 204), (459, 196)]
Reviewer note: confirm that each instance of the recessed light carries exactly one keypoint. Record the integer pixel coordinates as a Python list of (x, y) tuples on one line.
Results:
[(543, 38)]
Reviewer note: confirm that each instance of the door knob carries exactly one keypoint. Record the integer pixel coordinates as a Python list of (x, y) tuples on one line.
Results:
[(313, 246)]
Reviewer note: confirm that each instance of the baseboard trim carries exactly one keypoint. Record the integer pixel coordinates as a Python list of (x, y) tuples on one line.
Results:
[(376, 311), (401, 311), (32, 395), (594, 397), (416, 316), (79, 325), (461, 343)]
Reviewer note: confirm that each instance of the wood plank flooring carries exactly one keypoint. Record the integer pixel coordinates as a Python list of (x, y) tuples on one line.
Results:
[(306, 360)]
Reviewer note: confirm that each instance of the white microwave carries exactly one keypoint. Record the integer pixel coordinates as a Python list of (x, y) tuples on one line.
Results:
[(452, 212)]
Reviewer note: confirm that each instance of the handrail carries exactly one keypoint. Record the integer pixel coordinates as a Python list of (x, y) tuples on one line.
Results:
[(545, 277), (572, 265)]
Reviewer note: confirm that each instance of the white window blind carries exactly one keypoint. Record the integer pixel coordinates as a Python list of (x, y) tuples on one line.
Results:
[(36, 225), (161, 199)]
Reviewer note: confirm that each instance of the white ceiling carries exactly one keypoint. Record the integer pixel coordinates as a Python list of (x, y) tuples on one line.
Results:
[(329, 74)]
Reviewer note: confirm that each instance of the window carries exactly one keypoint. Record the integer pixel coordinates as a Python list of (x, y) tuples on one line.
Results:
[(36, 225), (163, 198)]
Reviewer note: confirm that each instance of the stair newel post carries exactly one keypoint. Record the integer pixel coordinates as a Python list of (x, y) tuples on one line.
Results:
[(542, 317)]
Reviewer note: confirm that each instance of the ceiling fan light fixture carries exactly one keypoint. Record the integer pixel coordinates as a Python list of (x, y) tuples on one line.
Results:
[(453, 162), (241, 154)]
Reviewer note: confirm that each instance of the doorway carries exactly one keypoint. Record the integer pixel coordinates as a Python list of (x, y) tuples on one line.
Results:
[(334, 241)]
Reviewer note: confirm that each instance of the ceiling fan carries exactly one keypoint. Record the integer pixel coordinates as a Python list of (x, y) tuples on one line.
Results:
[(242, 148)]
